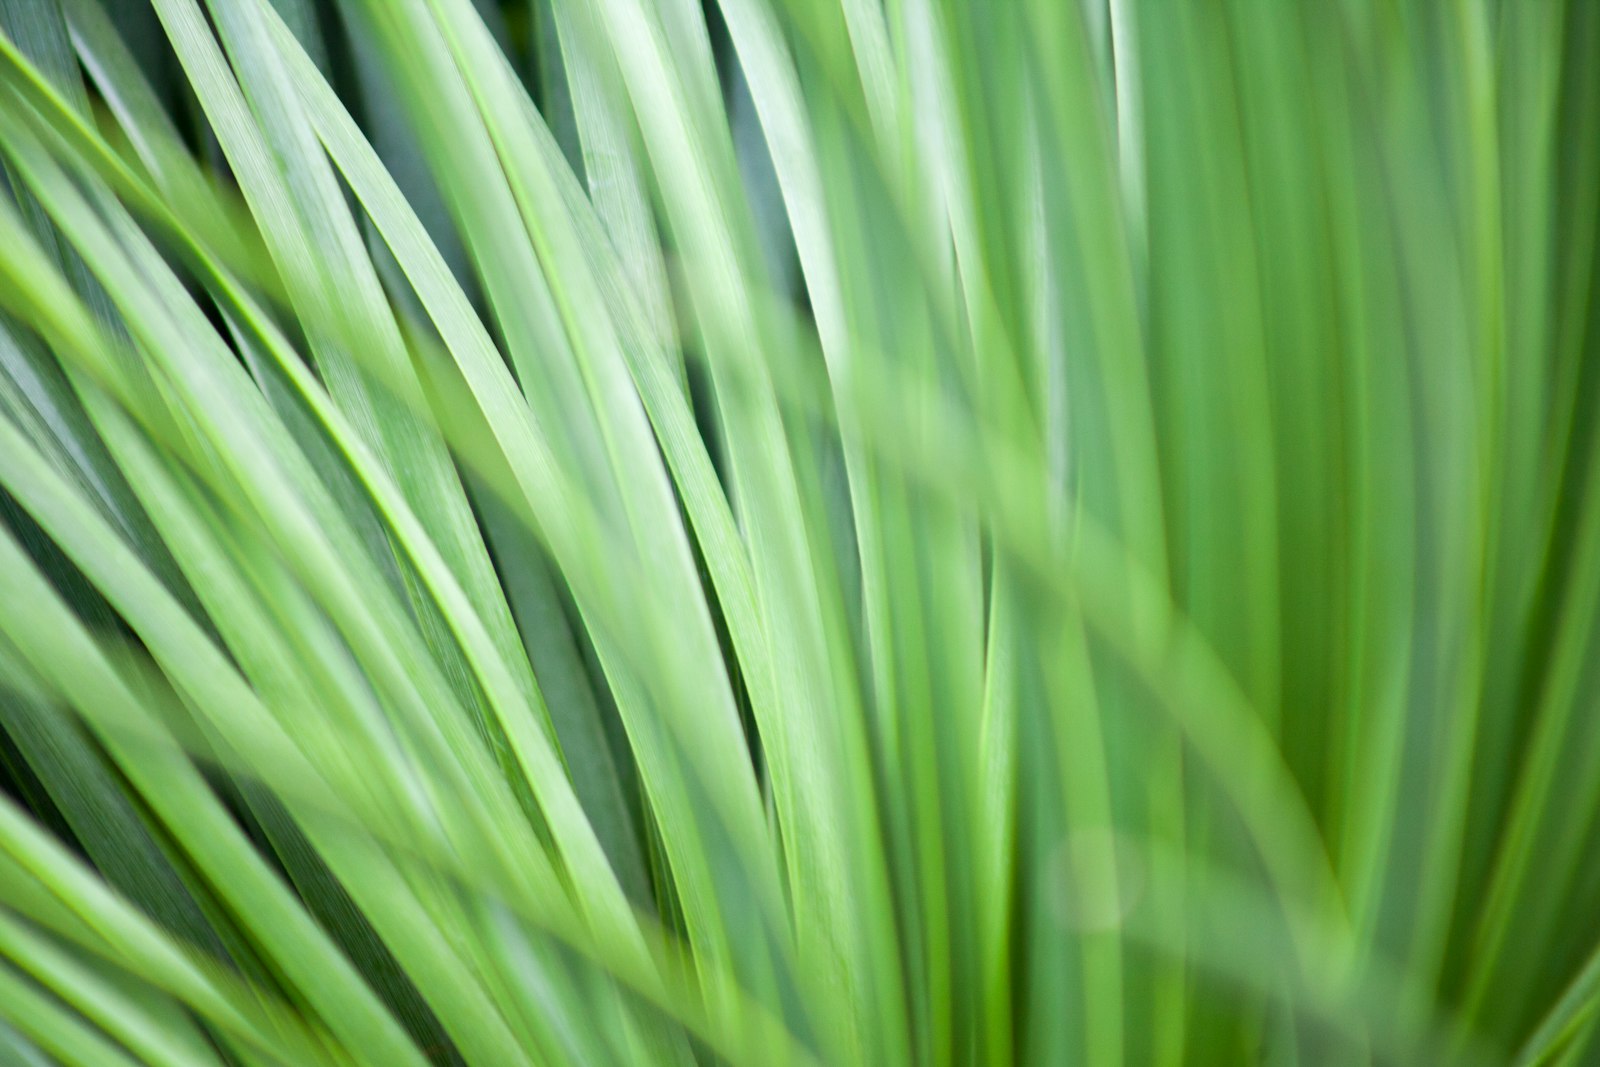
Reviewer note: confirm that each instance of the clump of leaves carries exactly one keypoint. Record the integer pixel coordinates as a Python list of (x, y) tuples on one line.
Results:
[(799, 532)]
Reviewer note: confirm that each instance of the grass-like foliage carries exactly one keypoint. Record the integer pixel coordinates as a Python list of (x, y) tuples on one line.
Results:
[(799, 532)]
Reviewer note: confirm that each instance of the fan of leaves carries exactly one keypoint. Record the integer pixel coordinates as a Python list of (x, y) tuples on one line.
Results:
[(799, 532)]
